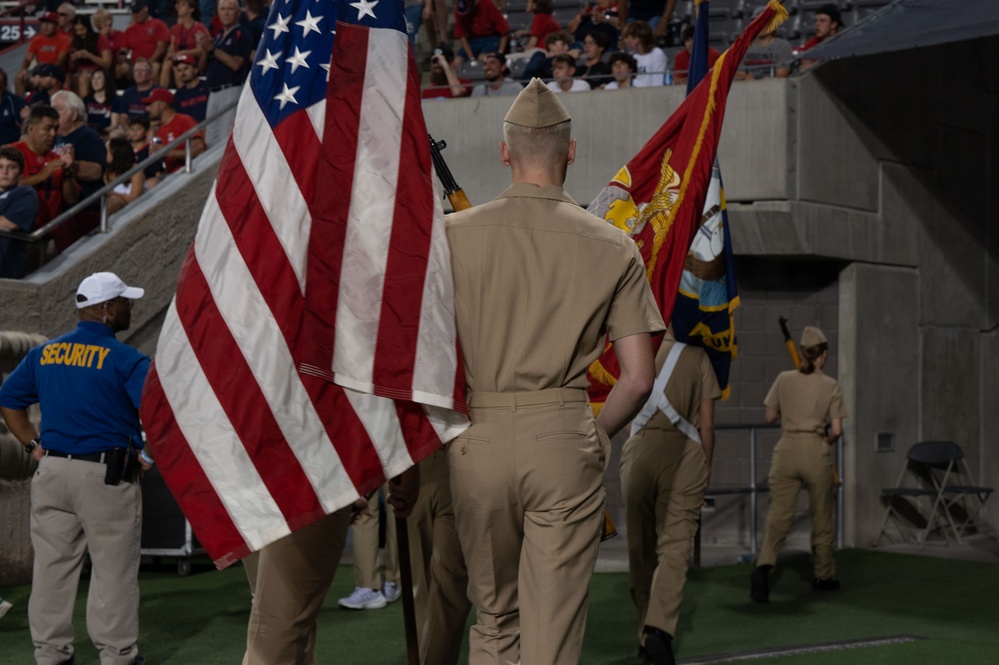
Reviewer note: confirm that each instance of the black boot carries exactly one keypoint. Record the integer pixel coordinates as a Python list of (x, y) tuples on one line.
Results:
[(658, 646), (827, 584), (759, 587)]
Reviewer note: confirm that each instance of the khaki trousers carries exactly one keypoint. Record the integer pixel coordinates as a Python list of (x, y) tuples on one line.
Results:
[(440, 581), (801, 460), (663, 479), (367, 572), (529, 495), (73, 512), (289, 580)]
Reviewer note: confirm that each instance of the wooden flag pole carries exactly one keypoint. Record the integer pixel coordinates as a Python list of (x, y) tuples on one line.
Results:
[(406, 584)]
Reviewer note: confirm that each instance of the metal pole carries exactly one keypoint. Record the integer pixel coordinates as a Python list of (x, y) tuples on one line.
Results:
[(752, 493), (187, 155), (839, 494), (104, 214)]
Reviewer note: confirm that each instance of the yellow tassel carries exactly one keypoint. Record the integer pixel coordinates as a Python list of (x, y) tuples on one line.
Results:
[(600, 373), (780, 15)]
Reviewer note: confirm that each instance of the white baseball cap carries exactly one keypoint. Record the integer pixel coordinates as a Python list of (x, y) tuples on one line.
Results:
[(102, 287)]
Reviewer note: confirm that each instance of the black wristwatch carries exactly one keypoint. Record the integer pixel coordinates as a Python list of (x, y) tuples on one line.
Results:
[(30, 447)]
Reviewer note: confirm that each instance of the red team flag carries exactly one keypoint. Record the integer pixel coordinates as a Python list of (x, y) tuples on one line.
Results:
[(658, 197), (310, 350)]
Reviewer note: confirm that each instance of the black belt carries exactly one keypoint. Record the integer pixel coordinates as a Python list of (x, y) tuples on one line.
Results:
[(92, 457), (224, 86)]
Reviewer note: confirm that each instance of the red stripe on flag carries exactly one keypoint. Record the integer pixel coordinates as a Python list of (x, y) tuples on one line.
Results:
[(300, 145), (244, 403)]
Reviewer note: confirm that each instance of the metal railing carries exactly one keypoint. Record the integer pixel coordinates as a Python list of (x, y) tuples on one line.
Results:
[(40, 234), (21, 11)]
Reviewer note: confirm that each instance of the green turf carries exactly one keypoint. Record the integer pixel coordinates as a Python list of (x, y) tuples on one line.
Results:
[(953, 604)]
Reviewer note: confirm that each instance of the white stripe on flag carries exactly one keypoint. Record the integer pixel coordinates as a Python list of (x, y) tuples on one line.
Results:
[(372, 210), (212, 438), (381, 422), (256, 332), (317, 114)]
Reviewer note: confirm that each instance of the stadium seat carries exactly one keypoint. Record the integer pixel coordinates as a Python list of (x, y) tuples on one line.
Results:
[(519, 20), (933, 494), (514, 6), (472, 70)]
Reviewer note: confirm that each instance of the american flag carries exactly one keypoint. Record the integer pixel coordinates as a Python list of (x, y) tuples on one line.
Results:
[(310, 350)]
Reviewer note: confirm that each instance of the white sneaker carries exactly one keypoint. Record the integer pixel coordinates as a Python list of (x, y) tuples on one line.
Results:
[(392, 592), (363, 599), (5, 606)]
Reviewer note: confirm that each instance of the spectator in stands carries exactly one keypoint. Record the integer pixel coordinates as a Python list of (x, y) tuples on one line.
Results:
[(140, 140), (654, 12), (11, 107), (207, 8), (101, 103), (623, 68), (104, 23), (18, 209), (444, 83), (89, 159), (91, 51), (48, 79), (563, 68), (416, 12), (255, 14), (225, 61), (48, 47), (681, 61), (594, 69), (147, 38), (50, 173), (121, 159), (183, 38), (638, 40), (495, 69), (67, 17), (191, 96), (540, 64), (543, 24), (828, 22), (599, 16), (768, 56), (171, 126), (130, 101), (481, 28)]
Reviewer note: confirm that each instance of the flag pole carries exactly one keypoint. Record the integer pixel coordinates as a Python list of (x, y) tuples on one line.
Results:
[(406, 582)]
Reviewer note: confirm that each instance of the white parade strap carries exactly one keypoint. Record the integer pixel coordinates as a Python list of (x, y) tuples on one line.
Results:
[(658, 400)]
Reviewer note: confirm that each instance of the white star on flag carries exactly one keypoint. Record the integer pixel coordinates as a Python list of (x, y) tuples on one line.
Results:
[(269, 61), (310, 23), (287, 95), (327, 68), (298, 60), (280, 25), (364, 8)]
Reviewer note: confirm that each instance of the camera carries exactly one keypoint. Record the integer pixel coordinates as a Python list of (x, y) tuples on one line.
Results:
[(438, 51)]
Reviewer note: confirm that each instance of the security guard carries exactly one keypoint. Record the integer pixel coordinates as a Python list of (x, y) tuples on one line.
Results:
[(539, 286), (85, 495), (665, 467), (803, 399)]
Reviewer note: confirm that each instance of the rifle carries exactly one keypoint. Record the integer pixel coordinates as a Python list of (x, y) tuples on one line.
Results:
[(789, 342), (459, 201)]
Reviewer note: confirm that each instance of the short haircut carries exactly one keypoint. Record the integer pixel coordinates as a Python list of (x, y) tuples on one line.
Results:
[(138, 119), (139, 61), (643, 31), (545, 146), (557, 37), (600, 38), (14, 155), (626, 58), (832, 11), (688, 32), (565, 59), (40, 112), (73, 103), (544, 6)]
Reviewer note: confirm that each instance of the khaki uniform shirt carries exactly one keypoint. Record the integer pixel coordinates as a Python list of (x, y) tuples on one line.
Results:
[(805, 401), (693, 381), (539, 282)]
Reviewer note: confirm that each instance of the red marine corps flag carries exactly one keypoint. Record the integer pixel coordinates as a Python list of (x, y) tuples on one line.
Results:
[(310, 350), (658, 197)]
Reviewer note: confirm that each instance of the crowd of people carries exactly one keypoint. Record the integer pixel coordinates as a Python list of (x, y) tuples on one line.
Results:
[(85, 91), (607, 45)]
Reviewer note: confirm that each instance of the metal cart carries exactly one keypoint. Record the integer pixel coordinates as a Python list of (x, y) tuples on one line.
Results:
[(165, 530)]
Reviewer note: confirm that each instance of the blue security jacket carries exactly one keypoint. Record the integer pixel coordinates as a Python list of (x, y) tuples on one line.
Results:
[(88, 385)]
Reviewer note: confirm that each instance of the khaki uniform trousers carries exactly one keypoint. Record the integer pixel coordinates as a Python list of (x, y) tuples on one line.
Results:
[(528, 485), (289, 580), (365, 546), (663, 478), (74, 512), (440, 581), (800, 460)]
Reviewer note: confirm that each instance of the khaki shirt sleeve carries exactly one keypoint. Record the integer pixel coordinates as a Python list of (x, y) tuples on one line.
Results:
[(772, 400), (709, 382), (836, 407), (634, 309)]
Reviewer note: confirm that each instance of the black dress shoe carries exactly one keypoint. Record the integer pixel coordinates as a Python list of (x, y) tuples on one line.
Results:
[(658, 646), (759, 587), (827, 584)]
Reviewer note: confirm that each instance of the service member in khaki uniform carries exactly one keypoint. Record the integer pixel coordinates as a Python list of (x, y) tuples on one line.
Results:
[(664, 475), (803, 400), (539, 285)]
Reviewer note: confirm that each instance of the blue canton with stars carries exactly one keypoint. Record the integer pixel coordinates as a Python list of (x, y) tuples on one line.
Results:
[(293, 59)]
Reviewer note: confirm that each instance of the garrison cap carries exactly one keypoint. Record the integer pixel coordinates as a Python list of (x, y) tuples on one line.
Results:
[(536, 106), (812, 336)]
